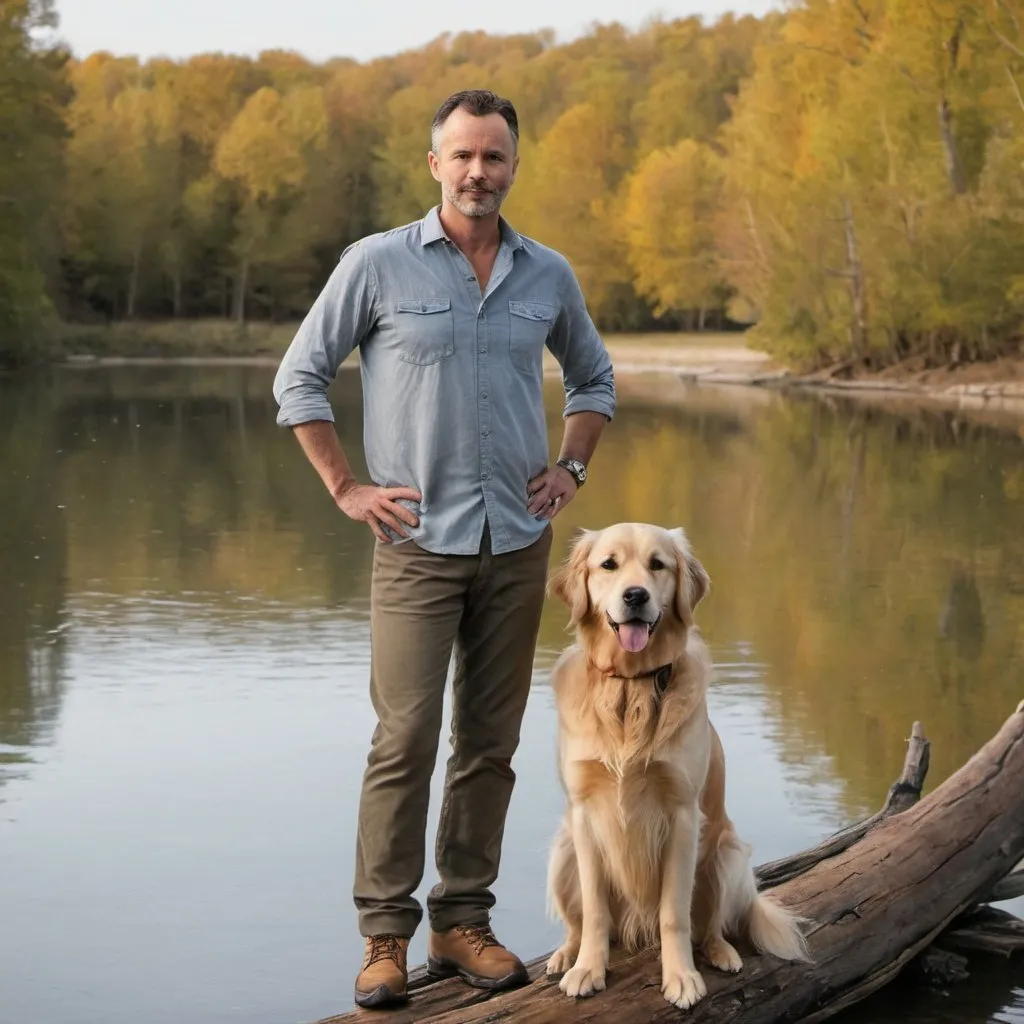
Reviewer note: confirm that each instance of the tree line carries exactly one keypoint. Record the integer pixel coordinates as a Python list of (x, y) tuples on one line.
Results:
[(845, 176)]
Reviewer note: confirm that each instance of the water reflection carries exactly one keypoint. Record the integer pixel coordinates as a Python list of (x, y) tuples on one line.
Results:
[(172, 574), (33, 555)]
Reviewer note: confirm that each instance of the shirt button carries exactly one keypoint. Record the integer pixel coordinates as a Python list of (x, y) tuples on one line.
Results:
[(484, 395), (483, 351), (486, 433)]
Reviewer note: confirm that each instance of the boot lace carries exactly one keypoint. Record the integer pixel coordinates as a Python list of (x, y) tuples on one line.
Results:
[(384, 947), (479, 936)]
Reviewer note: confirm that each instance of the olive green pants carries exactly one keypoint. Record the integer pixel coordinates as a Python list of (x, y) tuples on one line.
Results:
[(487, 609)]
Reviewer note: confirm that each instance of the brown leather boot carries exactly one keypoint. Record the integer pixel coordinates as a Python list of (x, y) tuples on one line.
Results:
[(475, 955), (383, 979)]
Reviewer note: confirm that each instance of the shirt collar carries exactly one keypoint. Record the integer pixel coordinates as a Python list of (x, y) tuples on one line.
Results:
[(432, 231)]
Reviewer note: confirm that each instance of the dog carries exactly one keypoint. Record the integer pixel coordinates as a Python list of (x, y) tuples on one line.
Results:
[(646, 854)]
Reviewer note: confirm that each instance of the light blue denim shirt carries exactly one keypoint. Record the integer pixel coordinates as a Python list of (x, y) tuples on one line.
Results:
[(452, 378)]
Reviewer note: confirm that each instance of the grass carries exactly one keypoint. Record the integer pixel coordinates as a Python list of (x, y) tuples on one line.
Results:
[(168, 339), (173, 339)]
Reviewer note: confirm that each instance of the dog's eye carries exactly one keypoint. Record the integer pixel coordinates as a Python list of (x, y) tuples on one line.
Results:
[(656, 564), (609, 564)]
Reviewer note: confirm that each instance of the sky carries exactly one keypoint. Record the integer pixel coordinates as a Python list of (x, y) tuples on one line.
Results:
[(320, 29)]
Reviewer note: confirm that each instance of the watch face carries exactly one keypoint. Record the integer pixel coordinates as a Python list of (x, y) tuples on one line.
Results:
[(577, 469)]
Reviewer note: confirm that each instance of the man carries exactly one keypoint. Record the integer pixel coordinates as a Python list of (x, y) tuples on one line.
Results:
[(451, 315)]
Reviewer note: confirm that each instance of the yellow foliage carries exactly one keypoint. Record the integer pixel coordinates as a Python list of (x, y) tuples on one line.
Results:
[(264, 148), (669, 213), (846, 175)]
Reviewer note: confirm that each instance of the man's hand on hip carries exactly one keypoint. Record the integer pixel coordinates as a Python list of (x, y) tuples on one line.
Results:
[(548, 493), (374, 505)]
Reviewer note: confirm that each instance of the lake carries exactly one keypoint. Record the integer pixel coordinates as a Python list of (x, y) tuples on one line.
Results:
[(184, 716)]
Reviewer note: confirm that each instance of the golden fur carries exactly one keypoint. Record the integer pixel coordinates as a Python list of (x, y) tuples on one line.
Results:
[(646, 853)]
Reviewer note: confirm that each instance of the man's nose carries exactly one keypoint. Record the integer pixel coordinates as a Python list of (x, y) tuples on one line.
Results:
[(635, 597)]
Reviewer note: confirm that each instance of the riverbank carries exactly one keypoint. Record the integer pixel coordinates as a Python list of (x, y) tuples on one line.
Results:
[(711, 358), (996, 385)]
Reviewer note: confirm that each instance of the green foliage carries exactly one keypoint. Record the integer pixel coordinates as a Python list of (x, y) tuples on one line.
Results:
[(32, 91)]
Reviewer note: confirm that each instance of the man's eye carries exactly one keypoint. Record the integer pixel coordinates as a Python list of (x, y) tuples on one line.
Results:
[(609, 564)]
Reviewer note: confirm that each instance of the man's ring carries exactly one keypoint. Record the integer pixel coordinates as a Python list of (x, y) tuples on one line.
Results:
[(556, 499)]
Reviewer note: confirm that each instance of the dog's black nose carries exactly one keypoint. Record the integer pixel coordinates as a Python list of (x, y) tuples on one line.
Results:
[(635, 597)]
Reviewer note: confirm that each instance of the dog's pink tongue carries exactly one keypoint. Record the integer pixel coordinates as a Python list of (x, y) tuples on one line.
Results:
[(633, 636)]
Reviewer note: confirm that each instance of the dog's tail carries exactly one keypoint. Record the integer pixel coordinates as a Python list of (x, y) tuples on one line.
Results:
[(771, 928), (775, 930)]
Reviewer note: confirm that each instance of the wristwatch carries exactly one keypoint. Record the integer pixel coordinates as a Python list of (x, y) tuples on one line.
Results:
[(578, 470)]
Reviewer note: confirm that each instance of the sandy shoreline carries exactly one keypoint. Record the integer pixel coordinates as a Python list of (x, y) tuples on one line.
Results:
[(996, 385)]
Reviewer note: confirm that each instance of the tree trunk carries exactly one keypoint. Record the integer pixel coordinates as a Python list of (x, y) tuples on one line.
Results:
[(133, 281), (241, 287), (176, 293), (855, 277), (877, 895), (954, 169)]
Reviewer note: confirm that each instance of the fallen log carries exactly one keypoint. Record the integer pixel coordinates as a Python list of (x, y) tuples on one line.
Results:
[(878, 895), (903, 793), (988, 930)]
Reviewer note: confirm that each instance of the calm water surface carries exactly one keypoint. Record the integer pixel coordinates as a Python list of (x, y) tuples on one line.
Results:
[(184, 650)]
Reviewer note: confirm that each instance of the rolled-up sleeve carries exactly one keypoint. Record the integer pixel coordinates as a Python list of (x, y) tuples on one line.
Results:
[(587, 372), (338, 321)]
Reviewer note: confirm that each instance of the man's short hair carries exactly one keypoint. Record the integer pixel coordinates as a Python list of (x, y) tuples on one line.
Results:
[(479, 103)]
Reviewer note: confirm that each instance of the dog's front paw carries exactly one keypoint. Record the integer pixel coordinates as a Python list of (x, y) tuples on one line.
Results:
[(562, 959), (683, 988), (582, 981), (722, 955)]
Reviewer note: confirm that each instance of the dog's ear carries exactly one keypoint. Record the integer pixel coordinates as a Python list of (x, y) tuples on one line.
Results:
[(692, 582), (570, 581)]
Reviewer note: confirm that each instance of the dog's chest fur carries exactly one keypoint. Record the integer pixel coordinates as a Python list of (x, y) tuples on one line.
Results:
[(630, 811), (632, 721)]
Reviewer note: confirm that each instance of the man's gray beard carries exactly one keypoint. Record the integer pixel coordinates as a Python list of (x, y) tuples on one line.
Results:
[(476, 207)]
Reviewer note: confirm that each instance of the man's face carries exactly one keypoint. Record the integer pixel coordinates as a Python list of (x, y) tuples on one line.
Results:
[(475, 162)]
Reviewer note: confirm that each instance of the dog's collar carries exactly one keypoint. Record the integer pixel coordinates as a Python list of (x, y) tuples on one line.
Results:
[(662, 676)]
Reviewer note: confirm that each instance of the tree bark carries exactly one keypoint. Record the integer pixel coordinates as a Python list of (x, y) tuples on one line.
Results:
[(954, 169), (878, 895)]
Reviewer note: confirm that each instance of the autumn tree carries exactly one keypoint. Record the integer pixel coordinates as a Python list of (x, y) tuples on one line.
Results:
[(32, 88), (843, 176), (672, 199), (268, 153)]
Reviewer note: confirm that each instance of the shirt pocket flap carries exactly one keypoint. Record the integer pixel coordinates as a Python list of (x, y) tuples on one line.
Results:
[(539, 311), (423, 305)]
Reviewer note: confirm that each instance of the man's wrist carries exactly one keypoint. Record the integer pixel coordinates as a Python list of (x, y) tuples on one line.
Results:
[(342, 487), (575, 468)]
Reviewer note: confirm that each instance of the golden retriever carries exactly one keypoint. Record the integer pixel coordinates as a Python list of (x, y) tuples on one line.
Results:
[(646, 853)]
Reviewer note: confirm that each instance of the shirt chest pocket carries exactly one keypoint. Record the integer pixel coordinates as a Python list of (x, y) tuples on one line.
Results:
[(425, 330), (529, 326)]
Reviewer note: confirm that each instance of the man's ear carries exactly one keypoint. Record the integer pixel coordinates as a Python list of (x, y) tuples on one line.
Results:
[(570, 581), (692, 580)]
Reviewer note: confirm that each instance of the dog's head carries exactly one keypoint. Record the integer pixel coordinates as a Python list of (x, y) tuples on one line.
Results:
[(628, 578)]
